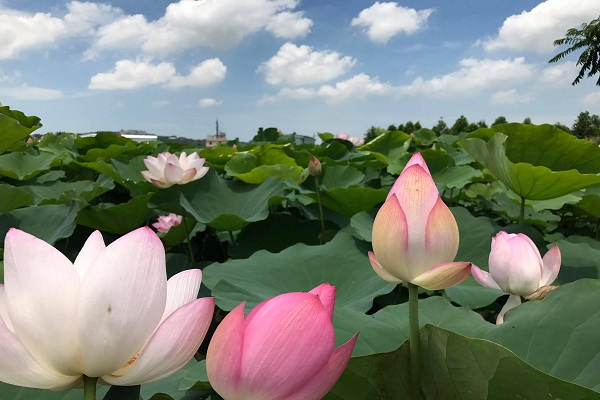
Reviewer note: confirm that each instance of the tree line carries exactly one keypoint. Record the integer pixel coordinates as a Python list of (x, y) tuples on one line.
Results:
[(586, 126)]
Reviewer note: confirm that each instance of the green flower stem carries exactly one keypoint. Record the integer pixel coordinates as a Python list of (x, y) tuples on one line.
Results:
[(187, 230), (415, 342), (317, 189), (89, 388), (187, 234), (522, 211)]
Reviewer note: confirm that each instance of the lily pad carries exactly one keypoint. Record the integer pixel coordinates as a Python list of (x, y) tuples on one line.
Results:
[(342, 262), (532, 182), (15, 126), (230, 205)]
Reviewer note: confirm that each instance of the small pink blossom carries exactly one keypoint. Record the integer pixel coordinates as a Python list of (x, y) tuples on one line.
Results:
[(517, 268), (354, 140), (166, 222)]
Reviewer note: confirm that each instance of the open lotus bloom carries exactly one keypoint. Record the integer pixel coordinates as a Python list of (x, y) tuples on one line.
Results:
[(166, 222), (415, 236), (111, 314), (167, 169), (517, 268), (283, 349)]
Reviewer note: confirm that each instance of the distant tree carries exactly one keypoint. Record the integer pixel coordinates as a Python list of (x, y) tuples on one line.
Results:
[(527, 120), (409, 127), (372, 133), (500, 120), (482, 124), (266, 135), (441, 127), (562, 127), (460, 125), (586, 126), (392, 127), (471, 127), (587, 37)]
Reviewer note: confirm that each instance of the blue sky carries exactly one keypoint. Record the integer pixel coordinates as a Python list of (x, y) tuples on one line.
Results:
[(174, 67)]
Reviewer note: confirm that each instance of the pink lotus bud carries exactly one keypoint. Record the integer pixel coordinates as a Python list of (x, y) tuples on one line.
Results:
[(166, 222), (167, 169), (283, 349), (517, 268), (111, 314), (314, 166), (415, 236)]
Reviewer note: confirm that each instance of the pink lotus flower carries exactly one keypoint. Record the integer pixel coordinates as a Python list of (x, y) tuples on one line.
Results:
[(354, 140), (517, 268), (283, 349), (166, 222), (111, 314), (167, 169), (415, 236)]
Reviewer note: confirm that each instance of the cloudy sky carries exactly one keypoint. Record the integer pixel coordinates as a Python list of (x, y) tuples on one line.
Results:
[(174, 67)]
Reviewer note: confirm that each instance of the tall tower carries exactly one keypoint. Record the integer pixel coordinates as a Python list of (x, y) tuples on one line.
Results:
[(217, 132)]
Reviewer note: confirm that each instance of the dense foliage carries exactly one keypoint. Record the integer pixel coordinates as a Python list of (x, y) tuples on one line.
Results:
[(256, 232)]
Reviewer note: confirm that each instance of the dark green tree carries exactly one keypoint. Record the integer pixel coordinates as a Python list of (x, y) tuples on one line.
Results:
[(500, 120), (441, 127), (586, 126), (587, 37), (562, 127), (392, 127), (482, 124), (460, 125), (527, 121), (372, 133)]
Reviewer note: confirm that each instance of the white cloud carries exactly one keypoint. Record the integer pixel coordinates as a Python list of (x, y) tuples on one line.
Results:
[(382, 21), (30, 93), (474, 75), (301, 65), (289, 25), (561, 74), (357, 87), (510, 97), (537, 29), (129, 74), (203, 23), (208, 102), (206, 73), (21, 32), (592, 99)]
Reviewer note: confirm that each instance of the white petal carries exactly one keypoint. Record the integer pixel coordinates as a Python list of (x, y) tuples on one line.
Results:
[(18, 367), (94, 245), (181, 289), (4, 308), (123, 297), (171, 347), (42, 294)]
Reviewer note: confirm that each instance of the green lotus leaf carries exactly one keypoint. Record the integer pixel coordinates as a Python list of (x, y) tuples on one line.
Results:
[(453, 367), (13, 197), (48, 222), (352, 200), (338, 176), (342, 262), (24, 166), (532, 182), (15, 126), (118, 219), (230, 205)]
